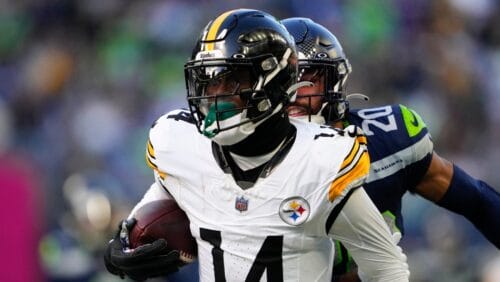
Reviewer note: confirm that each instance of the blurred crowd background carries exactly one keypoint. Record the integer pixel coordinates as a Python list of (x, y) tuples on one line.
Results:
[(82, 81)]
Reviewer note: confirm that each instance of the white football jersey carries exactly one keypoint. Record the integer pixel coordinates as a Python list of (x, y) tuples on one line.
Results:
[(277, 230)]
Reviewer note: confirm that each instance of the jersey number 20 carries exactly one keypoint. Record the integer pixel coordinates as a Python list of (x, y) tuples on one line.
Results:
[(381, 117)]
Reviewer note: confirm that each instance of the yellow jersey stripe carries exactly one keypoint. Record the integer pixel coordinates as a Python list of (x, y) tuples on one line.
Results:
[(150, 155), (348, 160), (154, 167), (149, 162), (362, 139), (351, 179), (214, 29), (162, 174), (151, 150)]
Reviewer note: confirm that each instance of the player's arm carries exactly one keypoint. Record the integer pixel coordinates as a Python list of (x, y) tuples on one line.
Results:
[(156, 192), (148, 260), (356, 222), (363, 231), (452, 188)]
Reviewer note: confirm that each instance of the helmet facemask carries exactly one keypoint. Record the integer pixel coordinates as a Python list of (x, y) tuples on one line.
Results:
[(229, 98), (331, 75)]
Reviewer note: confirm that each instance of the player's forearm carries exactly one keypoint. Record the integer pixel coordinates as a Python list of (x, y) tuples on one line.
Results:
[(475, 200), (361, 228), (154, 193)]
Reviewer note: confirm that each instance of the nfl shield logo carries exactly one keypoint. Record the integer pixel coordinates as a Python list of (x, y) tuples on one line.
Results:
[(241, 204)]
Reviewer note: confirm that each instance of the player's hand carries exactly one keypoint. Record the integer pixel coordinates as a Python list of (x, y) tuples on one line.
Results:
[(145, 261)]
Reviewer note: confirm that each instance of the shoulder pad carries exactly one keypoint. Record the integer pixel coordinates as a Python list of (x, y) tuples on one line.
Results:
[(173, 123)]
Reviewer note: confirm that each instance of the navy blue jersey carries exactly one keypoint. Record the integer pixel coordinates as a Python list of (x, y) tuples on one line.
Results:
[(400, 149)]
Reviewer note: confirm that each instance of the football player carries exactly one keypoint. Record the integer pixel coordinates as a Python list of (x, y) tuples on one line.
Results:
[(400, 147), (265, 195)]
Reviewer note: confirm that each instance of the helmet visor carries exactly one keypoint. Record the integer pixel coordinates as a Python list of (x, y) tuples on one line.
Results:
[(208, 85)]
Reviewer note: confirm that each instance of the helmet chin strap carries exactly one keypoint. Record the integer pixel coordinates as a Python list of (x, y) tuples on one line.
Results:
[(237, 134), (231, 136)]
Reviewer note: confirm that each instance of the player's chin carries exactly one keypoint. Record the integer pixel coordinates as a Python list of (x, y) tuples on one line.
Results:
[(297, 111)]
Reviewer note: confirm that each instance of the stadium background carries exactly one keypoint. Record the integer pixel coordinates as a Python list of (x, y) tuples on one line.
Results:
[(81, 82)]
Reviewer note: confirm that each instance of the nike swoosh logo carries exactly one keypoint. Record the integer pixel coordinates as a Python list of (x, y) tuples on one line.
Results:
[(414, 120)]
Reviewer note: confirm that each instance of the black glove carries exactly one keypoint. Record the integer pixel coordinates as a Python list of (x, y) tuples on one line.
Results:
[(146, 261)]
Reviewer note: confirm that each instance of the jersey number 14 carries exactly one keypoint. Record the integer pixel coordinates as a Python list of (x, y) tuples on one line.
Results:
[(269, 257)]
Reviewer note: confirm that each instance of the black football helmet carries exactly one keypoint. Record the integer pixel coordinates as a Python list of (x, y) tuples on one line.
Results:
[(320, 53), (242, 71)]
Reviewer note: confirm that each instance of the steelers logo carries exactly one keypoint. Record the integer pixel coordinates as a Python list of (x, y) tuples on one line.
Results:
[(294, 210)]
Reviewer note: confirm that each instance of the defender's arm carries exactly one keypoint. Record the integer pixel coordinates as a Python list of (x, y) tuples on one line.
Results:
[(452, 188)]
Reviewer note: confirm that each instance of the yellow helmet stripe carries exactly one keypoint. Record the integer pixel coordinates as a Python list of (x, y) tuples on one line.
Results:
[(214, 29), (355, 177)]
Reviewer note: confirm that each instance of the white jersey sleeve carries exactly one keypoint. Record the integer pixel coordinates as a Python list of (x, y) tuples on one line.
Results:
[(158, 190), (362, 230), (155, 193), (354, 220)]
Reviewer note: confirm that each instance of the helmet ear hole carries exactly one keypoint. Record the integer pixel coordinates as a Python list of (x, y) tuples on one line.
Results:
[(264, 105), (269, 64)]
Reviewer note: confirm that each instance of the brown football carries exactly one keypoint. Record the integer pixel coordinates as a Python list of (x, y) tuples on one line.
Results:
[(164, 219)]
